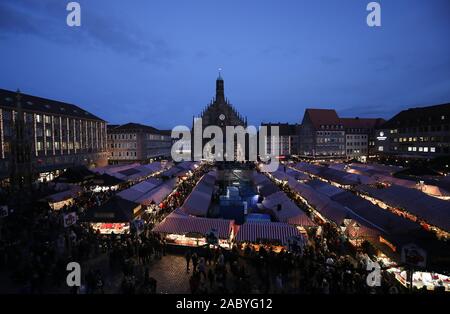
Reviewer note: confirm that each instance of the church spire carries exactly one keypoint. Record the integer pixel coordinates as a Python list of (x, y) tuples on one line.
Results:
[(220, 93)]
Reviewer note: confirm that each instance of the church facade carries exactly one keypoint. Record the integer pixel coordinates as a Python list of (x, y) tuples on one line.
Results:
[(221, 113)]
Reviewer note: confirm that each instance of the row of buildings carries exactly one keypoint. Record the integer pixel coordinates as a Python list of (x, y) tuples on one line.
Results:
[(62, 135), (415, 133)]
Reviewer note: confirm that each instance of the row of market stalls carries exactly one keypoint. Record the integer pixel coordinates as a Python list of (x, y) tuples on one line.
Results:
[(149, 192), (187, 230), (128, 206), (362, 219), (403, 199), (362, 216), (132, 172), (180, 170), (438, 188), (431, 212), (181, 228), (188, 225), (199, 200), (277, 202)]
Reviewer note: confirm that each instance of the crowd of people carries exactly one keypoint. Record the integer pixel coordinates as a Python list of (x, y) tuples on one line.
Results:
[(35, 248)]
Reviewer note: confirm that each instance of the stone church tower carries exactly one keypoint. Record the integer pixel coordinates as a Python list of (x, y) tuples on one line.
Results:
[(220, 112)]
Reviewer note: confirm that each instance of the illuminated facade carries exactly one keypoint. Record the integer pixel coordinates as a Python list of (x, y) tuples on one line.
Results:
[(416, 133), (134, 142), (62, 135)]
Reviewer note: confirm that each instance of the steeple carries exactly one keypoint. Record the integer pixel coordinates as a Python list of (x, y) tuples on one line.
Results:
[(220, 93)]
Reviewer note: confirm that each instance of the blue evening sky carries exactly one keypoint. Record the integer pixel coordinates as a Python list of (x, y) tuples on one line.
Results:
[(155, 62)]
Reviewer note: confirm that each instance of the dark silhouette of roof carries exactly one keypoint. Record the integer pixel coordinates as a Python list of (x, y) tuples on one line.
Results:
[(75, 174), (361, 123), (135, 127), (38, 104), (283, 128), (116, 210), (420, 116)]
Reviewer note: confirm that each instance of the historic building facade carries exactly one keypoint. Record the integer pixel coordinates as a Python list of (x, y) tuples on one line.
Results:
[(416, 133), (322, 134), (219, 112), (359, 137), (134, 142), (287, 141), (62, 135)]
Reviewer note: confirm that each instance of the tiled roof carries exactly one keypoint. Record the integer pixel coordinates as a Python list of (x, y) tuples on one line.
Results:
[(38, 104), (320, 117)]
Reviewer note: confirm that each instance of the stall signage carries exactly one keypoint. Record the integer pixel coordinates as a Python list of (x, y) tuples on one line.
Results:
[(70, 219)]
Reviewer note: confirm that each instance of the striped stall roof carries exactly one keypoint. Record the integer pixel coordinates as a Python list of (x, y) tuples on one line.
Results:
[(266, 231), (183, 224)]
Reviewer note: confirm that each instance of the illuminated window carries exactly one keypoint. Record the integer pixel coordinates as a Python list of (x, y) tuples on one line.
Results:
[(420, 149), (409, 149), (380, 148), (433, 149), (425, 149)]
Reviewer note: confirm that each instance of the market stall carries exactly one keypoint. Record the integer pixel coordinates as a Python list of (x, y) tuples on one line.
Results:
[(63, 198), (276, 234), (114, 216), (182, 229)]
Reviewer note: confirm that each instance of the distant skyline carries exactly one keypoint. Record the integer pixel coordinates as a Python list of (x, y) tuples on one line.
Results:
[(156, 62)]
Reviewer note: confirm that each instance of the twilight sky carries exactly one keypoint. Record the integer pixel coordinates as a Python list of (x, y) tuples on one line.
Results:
[(156, 61)]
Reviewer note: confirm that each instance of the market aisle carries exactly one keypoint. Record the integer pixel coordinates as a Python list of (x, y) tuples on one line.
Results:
[(170, 273)]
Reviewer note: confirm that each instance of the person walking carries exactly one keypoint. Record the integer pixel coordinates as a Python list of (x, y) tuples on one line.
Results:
[(188, 256), (211, 277), (202, 267), (194, 261)]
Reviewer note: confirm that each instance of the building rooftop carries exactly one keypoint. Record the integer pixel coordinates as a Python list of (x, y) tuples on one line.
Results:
[(361, 123), (134, 127), (436, 114), (38, 104), (320, 117)]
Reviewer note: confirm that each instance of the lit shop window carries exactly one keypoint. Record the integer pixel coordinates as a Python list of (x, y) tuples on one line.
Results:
[(409, 149), (425, 149), (414, 149), (420, 149), (433, 149), (380, 148)]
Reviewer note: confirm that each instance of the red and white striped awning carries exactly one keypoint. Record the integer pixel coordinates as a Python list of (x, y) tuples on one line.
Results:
[(183, 224), (266, 231)]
